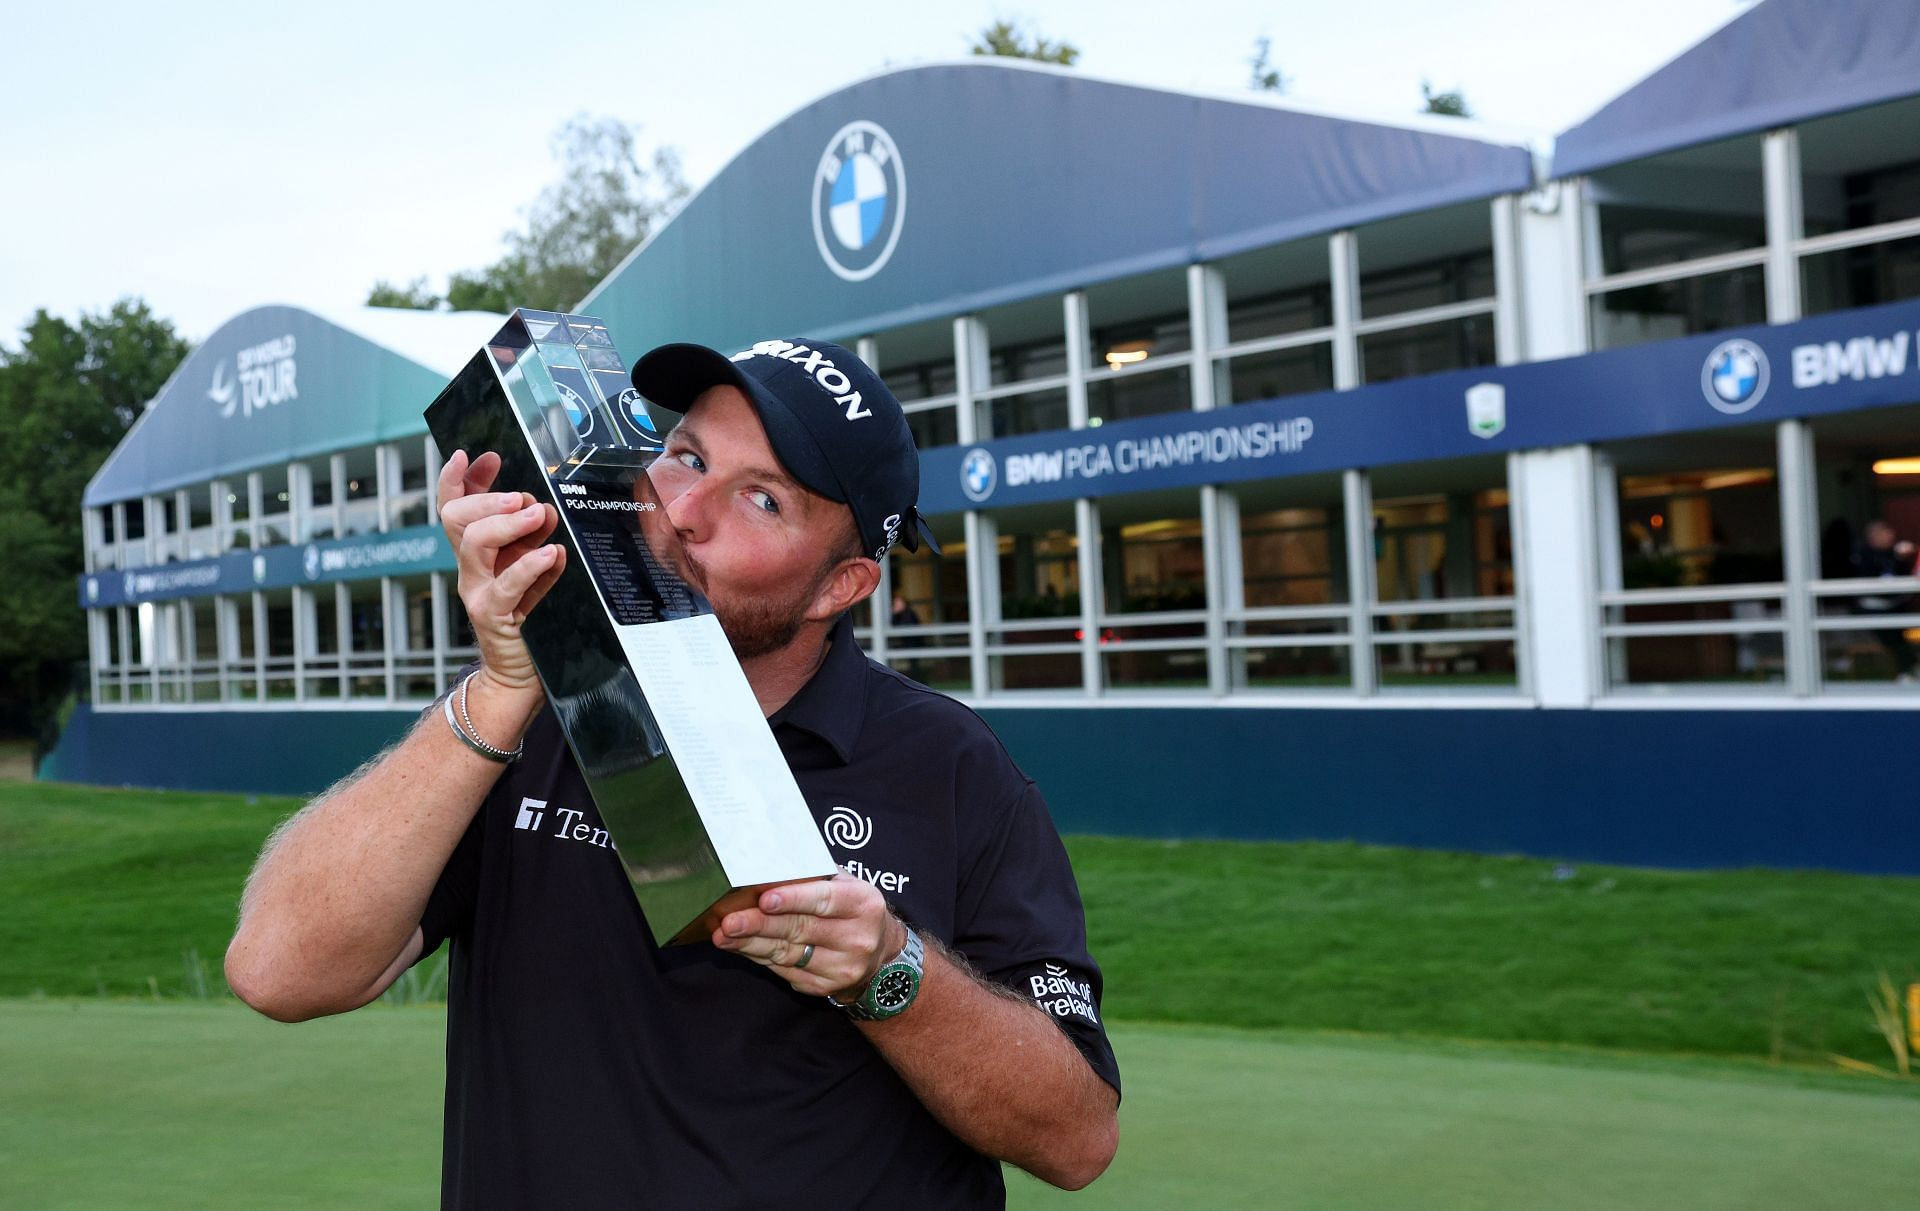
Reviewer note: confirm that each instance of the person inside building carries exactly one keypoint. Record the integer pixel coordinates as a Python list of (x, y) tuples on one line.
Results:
[(1883, 553), (768, 1065)]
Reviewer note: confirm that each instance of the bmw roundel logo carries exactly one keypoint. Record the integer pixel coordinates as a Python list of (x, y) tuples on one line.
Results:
[(977, 474), (577, 410), (637, 409), (859, 201), (1735, 376)]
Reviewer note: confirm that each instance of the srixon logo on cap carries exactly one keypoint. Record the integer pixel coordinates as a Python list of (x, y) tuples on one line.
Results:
[(831, 378)]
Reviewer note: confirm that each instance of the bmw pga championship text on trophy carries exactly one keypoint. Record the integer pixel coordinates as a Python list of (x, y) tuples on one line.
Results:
[(693, 791)]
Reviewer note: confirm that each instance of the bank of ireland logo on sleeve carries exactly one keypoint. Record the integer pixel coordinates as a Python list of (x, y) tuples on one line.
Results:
[(977, 474), (1735, 376), (859, 201)]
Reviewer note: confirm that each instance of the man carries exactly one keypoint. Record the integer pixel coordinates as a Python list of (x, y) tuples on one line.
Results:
[(588, 1068), (1883, 554)]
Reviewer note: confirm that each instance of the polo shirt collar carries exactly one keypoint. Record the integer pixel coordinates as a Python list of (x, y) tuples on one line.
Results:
[(833, 703)]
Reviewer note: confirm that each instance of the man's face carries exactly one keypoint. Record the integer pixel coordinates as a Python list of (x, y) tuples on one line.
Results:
[(760, 543), (1879, 535)]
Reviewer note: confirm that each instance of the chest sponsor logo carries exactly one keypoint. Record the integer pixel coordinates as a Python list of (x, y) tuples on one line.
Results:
[(845, 828), (1056, 991), (568, 823)]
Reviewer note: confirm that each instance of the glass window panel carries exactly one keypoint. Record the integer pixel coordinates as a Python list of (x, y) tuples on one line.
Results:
[(1018, 363), (1664, 310), (1319, 667), (1152, 557), (929, 589), (1699, 202), (1041, 670), (1127, 667), (933, 427), (1140, 394), (1292, 557), (1123, 344), (1040, 569), (1033, 412), (1861, 168), (1427, 349), (952, 674), (1262, 376), (1432, 284), (1445, 663), (1279, 314), (1443, 545), (1861, 277), (1701, 659)]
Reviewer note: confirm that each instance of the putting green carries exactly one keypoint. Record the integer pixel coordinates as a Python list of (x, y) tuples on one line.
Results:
[(112, 1103)]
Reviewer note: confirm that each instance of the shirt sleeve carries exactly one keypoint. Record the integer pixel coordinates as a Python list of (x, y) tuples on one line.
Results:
[(1020, 924)]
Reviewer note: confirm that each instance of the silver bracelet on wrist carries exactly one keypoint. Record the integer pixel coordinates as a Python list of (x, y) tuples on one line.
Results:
[(469, 735)]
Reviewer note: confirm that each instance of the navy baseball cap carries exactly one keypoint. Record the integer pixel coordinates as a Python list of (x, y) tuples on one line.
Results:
[(830, 420)]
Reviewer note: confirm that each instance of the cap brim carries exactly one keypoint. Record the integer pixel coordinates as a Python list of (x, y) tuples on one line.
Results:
[(675, 376)]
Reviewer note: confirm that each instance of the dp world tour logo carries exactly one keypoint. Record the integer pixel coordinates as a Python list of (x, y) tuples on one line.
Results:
[(859, 201), (977, 474), (847, 829), (1735, 376)]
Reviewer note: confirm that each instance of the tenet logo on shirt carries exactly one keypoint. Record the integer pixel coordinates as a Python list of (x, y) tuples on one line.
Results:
[(569, 825)]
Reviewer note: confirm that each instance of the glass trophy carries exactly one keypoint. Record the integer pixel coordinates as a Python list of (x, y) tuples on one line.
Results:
[(694, 793)]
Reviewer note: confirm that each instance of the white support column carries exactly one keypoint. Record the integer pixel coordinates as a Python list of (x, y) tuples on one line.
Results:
[(183, 525), (983, 595), (1079, 356), (305, 627), (1610, 665), (256, 501), (343, 634), (299, 501), (1212, 537), (1357, 498), (437, 582), (393, 631), (1233, 578), (432, 453), (260, 646), (98, 649), (1550, 241), (91, 538), (337, 472), (972, 371), (222, 516), (123, 625), (155, 518), (1509, 323), (1552, 502), (1343, 266), (226, 624), (120, 544), (1086, 524), (1800, 546), (1207, 300), (1780, 171), (882, 612), (392, 482)]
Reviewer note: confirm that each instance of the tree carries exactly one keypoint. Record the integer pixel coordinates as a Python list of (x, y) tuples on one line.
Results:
[(66, 398), (1265, 76), (1451, 104), (1008, 40), (608, 199)]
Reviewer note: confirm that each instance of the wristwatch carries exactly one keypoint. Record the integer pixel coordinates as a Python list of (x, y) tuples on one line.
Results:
[(893, 987)]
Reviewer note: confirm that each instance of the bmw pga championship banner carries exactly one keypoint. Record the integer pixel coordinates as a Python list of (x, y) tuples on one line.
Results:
[(1834, 363), (362, 557)]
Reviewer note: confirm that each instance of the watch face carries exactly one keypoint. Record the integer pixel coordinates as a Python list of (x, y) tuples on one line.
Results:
[(894, 989)]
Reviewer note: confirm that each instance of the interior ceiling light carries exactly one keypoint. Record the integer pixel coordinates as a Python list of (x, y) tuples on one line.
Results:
[(1896, 466), (1129, 353)]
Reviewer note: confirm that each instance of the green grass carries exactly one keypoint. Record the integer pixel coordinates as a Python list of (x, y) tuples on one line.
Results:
[(115, 893), (1369, 938), (110, 891), (111, 1104)]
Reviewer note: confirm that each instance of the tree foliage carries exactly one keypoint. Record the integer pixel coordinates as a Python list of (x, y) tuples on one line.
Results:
[(67, 396), (1265, 76), (1009, 40), (1451, 104), (609, 198)]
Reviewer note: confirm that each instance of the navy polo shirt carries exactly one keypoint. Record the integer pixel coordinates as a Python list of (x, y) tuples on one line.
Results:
[(587, 1067)]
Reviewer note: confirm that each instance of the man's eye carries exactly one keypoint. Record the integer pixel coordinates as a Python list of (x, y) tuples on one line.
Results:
[(691, 460), (764, 501)]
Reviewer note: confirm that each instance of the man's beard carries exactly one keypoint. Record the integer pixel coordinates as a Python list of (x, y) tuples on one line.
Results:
[(758, 626)]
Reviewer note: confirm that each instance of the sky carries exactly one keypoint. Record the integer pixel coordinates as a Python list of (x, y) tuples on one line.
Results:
[(212, 157)]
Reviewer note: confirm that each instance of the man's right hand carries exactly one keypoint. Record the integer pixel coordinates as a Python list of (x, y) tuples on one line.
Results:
[(506, 564)]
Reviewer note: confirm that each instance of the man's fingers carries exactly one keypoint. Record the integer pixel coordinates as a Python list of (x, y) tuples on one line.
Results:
[(512, 587), (816, 898), (453, 474), (484, 541), (480, 472)]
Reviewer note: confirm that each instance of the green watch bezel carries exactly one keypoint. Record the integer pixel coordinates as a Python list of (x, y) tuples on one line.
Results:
[(906, 967)]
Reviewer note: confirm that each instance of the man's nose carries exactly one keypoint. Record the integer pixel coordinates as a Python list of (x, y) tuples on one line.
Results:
[(685, 504)]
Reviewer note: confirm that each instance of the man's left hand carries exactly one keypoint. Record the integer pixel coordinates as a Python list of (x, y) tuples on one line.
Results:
[(845, 921)]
